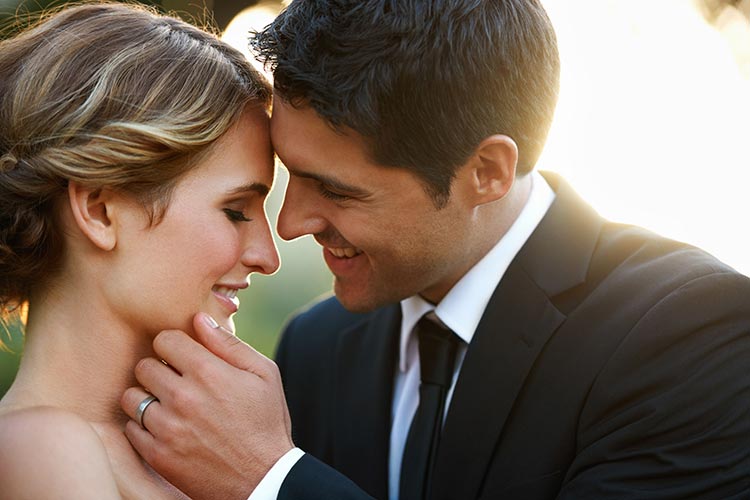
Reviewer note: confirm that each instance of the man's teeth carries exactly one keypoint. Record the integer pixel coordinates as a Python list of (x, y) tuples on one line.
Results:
[(345, 252), (227, 292)]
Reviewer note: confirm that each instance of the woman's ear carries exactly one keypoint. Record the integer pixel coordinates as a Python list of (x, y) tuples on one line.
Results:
[(92, 212), (494, 168)]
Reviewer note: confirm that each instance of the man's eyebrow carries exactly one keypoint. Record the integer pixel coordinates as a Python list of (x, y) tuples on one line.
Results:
[(331, 182), (257, 187)]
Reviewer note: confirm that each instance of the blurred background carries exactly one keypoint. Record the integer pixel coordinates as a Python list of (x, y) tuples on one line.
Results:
[(652, 128)]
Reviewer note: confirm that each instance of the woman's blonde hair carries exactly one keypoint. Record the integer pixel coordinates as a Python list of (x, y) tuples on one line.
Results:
[(106, 95)]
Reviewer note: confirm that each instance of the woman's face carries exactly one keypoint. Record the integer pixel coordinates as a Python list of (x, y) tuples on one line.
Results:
[(214, 233)]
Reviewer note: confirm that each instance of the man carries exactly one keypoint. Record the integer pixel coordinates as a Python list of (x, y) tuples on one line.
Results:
[(577, 358)]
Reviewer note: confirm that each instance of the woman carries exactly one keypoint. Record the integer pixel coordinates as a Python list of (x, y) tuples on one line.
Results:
[(134, 164)]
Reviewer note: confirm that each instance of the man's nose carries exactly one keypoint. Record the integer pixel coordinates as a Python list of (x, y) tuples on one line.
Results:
[(299, 214)]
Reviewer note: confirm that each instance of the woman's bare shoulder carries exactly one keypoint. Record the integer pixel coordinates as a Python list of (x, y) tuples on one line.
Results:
[(49, 452)]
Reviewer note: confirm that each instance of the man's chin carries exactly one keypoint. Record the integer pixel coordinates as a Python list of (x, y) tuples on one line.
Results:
[(355, 301)]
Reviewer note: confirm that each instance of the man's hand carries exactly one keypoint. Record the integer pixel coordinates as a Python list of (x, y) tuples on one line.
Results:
[(221, 421)]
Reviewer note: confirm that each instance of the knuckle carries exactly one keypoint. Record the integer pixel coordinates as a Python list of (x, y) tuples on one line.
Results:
[(158, 457), (152, 454), (184, 400), (269, 368), (169, 434), (207, 375), (203, 367), (167, 393), (175, 440)]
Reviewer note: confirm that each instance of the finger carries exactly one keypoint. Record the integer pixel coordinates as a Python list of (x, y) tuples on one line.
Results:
[(225, 345), (130, 400), (143, 442), (153, 417), (157, 378), (179, 350)]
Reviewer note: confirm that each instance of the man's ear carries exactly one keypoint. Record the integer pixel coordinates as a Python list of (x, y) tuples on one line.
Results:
[(92, 211), (494, 168)]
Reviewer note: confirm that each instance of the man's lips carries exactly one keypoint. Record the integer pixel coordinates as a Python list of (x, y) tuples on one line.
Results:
[(344, 252), (334, 243), (345, 261)]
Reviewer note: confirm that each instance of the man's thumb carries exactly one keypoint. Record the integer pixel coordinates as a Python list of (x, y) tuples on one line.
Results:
[(223, 343)]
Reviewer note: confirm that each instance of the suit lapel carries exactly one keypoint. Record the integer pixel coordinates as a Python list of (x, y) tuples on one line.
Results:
[(519, 320), (514, 328), (364, 374)]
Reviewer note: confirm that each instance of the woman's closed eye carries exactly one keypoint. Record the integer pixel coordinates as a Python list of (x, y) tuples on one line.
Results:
[(236, 215)]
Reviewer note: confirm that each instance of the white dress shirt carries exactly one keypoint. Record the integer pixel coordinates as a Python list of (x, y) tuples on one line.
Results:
[(460, 310)]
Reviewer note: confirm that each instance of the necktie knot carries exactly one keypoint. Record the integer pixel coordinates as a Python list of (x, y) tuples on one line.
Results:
[(437, 351)]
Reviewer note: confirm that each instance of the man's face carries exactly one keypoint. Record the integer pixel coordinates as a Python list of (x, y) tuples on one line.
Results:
[(382, 236)]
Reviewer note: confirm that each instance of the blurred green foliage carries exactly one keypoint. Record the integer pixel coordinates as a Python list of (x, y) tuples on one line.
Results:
[(12, 339), (265, 306)]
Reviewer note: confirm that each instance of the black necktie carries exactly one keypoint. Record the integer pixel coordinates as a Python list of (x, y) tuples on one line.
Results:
[(437, 355)]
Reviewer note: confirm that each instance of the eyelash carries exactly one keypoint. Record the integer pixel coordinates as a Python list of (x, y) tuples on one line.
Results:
[(236, 215), (325, 193)]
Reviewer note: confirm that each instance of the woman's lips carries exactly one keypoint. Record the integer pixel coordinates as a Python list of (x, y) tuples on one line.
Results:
[(227, 296)]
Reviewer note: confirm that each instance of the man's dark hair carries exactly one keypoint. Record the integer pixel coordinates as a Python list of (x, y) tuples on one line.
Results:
[(424, 81)]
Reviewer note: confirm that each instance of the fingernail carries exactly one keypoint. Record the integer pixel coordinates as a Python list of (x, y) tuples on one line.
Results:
[(227, 331), (210, 321)]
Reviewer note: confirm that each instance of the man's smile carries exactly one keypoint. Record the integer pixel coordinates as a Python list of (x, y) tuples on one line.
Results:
[(345, 252)]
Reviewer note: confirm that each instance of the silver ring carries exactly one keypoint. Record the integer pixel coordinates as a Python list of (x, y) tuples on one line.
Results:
[(142, 408)]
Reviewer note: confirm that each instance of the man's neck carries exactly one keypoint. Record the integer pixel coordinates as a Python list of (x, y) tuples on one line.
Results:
[(492, 221)]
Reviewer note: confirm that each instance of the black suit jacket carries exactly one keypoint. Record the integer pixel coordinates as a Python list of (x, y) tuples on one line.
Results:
[(609, 363)]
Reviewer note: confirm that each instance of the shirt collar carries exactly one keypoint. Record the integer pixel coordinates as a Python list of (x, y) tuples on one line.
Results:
[(462, 308)]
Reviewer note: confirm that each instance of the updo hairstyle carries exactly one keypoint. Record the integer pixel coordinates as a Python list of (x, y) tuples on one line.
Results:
[(106, 95)]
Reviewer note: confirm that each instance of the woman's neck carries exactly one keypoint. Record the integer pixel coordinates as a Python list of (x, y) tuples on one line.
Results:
[(78, 356)]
